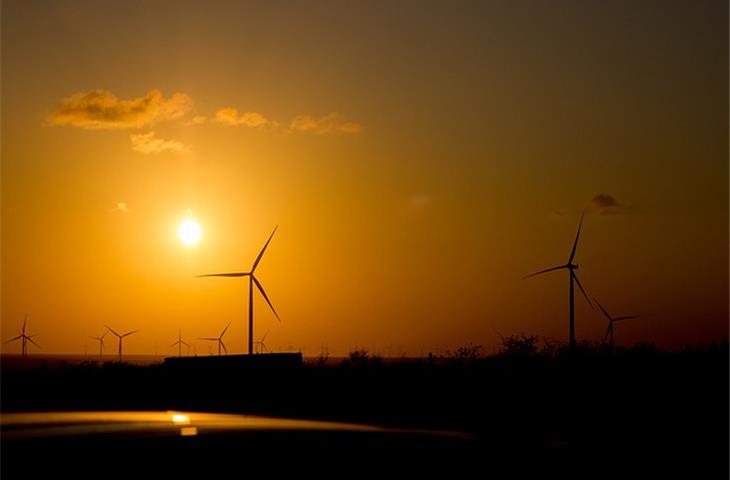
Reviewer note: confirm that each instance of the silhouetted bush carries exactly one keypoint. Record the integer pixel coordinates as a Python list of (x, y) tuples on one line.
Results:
[(465, 353), (521, 344)]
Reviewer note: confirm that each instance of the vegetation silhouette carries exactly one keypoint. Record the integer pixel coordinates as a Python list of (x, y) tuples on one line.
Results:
[(659, 412)]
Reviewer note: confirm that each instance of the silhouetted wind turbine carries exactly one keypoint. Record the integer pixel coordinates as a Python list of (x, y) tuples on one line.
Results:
[(24, 339), (611, 320), (180, 343), (261, 344), (252, 280), (219, 339), (571, 267), (120, 337), (101, 343)]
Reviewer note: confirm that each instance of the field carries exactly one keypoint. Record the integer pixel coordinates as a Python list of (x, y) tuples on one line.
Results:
[(638, 408)]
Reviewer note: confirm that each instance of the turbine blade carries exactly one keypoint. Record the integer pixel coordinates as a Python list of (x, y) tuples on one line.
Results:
[(545, 271), (25, 320), (625, 317), (261, 254), (608, 330), (263, 339), (130, 333), (603, 309), (185, 343), (112, 330), (224, 330), (237, 274), (224, 346), (208, 338), (174, 344), (33, 342), (261, 289), (104, 335), (13, 339), (575, 244), (581, 288)]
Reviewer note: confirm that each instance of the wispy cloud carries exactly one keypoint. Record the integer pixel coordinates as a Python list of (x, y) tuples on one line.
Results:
[(197, 120), (420, 200), (330, 123), (605, 204), (230, 116), (147, 143), (121, 207), (100, 109)]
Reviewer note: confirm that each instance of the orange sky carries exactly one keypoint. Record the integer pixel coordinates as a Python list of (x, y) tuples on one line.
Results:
[(418, 162)]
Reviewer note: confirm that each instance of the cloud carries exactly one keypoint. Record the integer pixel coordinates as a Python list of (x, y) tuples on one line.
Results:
[(330, 123), (121, 207), (420, 200), (230, 116), (147, 143), (605, 204), (197, 120), (100, 109)]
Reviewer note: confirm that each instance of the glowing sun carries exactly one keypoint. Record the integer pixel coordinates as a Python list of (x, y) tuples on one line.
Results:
[(189, 232)]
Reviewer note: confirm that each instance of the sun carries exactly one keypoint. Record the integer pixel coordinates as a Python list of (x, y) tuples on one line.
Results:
[(189, 232)]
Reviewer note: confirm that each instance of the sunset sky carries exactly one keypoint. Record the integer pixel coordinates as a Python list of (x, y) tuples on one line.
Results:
[(419, 158)]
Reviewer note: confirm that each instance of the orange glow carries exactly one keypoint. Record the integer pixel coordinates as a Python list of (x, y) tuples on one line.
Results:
[(415, 182)]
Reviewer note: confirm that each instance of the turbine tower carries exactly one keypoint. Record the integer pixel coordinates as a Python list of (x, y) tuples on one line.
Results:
[(571, 267), (251, 281), (219, 339), (261, 345), (24, 339), (120, 337), (100, 339), (180, 343), (611, 320)]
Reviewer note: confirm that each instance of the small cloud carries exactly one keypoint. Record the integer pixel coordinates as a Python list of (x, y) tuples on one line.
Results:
[(231, 117), (121, 207), (605, 204), (147, 143), (420, 200), (197, 120), (330, 123), (100, 109)]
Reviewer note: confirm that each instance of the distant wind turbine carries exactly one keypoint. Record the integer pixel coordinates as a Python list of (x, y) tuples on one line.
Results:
[(611, 321), (262, 346), (219, 339), (571, 267), (24, 339), (180, 343), (100, 339), (120, 337), (252, 280)]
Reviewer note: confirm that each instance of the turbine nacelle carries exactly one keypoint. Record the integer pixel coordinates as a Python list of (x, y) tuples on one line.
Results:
[(571, 267), (253, 282)]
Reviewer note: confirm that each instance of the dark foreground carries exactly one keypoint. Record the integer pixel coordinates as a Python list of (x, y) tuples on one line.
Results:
[(585, 414)]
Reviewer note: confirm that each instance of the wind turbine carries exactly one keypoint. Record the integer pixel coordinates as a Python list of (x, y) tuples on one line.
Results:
[(571, 267), (251, 281), (219, 339), (101, 343), (120, 337), (261, 344), (180, 343), (611, 320), (24, 339)]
